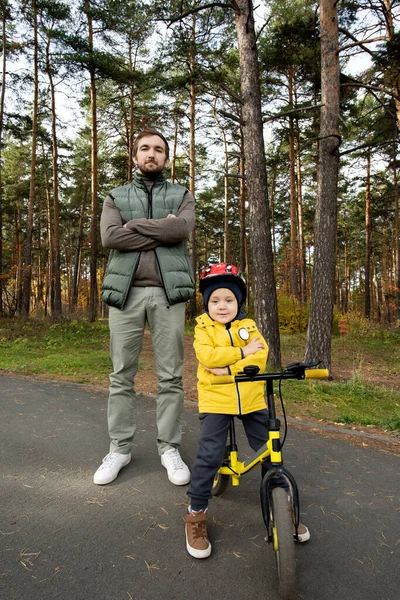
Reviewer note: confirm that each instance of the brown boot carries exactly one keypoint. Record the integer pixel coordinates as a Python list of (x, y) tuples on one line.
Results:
[(197, 543)]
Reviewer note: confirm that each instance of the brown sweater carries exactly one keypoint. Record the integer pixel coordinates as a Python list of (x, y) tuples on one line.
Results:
[(144, 235)]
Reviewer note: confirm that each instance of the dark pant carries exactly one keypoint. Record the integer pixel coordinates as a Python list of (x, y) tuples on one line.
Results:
[(212, 443)]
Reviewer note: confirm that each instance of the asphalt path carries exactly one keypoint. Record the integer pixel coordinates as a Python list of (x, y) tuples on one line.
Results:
[(62, 537)]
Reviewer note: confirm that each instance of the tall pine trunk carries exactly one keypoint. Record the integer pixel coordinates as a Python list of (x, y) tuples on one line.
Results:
[(294, 260), (131, 128), (77, 254), (27, 267), (242, 208), (226, 187), (318, 343), (390, 34), (5, 14), (192, 166), (54, 224), (396, 235), (94, 168), (265, 300), (368, 241)]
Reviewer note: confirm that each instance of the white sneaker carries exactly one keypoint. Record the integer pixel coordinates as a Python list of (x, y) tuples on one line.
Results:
[(303, 534), (178, 473), (111, 466)]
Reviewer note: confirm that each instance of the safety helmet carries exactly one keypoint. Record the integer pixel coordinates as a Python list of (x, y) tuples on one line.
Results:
[(220, 273)]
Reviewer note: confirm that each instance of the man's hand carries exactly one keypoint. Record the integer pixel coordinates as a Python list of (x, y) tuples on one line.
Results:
[(252, 347), (217, 370), (171, 216)]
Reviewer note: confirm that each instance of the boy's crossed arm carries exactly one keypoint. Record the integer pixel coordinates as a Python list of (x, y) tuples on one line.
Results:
[(252, 347)]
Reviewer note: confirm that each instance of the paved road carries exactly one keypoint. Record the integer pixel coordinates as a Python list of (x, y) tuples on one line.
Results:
[(62, 537)]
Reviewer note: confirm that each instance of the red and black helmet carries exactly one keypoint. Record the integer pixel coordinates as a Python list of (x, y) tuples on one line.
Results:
[(220, 273)]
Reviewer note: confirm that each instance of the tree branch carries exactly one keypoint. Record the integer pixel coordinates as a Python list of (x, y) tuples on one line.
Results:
[(262, 29), (230, 116), (230, 93), (197, 9), (375, 88), (358, 43), (366, 145), (285, 113)]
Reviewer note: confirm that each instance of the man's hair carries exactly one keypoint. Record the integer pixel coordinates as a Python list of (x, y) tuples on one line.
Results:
[(146, 133)]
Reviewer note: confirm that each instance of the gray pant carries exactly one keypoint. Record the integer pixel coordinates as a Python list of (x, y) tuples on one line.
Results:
[(212, 443), (166, 324)]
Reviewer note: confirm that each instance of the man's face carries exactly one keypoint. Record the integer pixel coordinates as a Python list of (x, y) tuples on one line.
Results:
[(151, 157)]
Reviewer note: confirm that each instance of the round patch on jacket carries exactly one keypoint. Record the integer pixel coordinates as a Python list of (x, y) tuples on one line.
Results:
[(243, 334)]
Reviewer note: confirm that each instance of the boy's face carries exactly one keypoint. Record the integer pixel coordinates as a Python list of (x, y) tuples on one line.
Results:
[(222, 305)]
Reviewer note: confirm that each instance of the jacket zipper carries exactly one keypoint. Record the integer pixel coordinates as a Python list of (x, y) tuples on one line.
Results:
[(236, 384), (150, 213)]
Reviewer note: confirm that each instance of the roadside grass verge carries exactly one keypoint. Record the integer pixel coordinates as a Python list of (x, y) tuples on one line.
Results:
[(78, 351), (75, 351), (353, 402)]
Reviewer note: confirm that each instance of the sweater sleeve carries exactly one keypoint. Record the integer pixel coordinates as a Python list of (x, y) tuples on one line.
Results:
[(169, 230), (115, 236)]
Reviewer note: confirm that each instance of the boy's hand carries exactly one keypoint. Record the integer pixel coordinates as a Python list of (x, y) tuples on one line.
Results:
[(252, 347), (217, 370)]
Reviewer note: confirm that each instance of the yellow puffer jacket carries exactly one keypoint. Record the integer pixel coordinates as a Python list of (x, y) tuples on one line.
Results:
[(217, 345)]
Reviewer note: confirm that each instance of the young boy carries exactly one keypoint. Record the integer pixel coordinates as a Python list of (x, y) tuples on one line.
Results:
[(225, 342)]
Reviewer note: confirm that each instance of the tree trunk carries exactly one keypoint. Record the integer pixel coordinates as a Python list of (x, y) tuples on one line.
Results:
[(55, 283), (131, 129), (390, 33), (265, 300), (242, 207), (294, 262), (18, 258), (368, 241), (48, 287), (94, 167), (385, 277), (77, 256), (27, 268), (318, 343), (2, 97), (396, 236), (300, 236), (272, 211), (174, 144), (192, 166), (226, 188)]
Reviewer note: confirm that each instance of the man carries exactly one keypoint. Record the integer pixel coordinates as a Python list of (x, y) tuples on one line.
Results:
[(148, 278)]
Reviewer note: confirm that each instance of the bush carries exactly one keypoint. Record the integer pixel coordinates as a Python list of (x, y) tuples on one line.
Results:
[(293, 316), (363, 328)]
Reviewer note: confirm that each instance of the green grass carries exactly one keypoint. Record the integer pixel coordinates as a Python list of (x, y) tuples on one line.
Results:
[(78, 351), (351, 402)]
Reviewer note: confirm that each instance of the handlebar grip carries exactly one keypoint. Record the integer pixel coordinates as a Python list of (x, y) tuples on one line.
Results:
[(316, 373)]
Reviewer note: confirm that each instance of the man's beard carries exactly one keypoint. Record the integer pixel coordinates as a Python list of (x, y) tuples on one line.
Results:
[(151, 173)]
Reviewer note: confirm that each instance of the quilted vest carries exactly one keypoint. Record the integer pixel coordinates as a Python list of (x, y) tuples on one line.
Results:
[(135, 202)]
